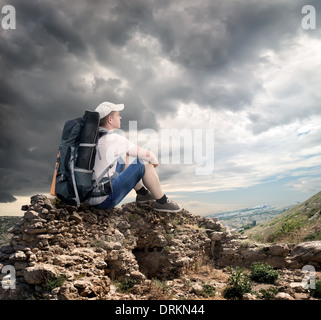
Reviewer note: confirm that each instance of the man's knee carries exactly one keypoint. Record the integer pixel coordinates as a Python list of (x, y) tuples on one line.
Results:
[(148, 166), (141, 167)]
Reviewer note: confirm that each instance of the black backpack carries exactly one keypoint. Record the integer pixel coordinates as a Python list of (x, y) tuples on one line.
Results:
[(74, 179)]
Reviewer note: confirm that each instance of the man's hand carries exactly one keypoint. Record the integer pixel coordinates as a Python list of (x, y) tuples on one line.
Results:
[(144, 154), (153, 158)]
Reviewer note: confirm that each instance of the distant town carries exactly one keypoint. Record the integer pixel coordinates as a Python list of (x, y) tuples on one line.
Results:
[(248, 217)]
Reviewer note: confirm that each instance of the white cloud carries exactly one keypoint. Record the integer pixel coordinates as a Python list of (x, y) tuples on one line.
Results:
[(291, 84), (308, 185), (274, 137)]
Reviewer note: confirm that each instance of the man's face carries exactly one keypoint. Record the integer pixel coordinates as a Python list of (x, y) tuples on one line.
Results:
[(115, 120)]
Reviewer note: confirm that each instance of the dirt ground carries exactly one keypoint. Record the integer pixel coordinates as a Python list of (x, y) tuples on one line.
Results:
[(208, 283)]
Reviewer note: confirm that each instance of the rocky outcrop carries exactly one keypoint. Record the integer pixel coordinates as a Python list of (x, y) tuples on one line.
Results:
[(63, 252), (306, 253), (241, 252)]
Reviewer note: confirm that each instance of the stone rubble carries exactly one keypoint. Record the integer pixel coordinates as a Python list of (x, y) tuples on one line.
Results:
[(63, 252)]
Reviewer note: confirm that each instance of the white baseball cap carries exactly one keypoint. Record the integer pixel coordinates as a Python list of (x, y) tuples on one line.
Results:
[(106, 108)]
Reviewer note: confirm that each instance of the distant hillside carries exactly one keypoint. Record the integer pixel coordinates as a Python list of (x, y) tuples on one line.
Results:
[(248, 217), (6, 223), (300, 223)]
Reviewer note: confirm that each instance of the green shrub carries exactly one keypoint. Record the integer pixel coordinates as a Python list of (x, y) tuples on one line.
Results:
[(316, 293), (126, 285), (161, 284), (208, 290), (313, 236), (238, 284), (55, 282), (263, 273), (270, 293)]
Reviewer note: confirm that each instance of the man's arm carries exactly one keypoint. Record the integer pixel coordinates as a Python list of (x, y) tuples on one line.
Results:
[(143, 154)]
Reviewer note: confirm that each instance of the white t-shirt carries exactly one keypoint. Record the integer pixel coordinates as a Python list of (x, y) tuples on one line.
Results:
[(110, 147)]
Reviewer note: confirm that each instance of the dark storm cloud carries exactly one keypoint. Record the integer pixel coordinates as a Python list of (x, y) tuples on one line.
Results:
[(220, 43), (66, 57), (42, 85)]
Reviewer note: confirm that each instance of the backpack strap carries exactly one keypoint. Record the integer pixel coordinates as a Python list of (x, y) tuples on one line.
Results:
[(106, 171), (72, 171), (103, 132)]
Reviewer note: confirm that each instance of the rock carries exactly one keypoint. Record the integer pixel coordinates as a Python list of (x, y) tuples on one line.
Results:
[(251, 255), (15, 229), (7, 249), (66, 260), (39, 273), (91, 287), (279, 250), (113, 255), (100, 264), (17, 256), (112, 245), (68, 292), (249, 296), (75, 216), (283, 296), (138, 276), (297, 287), (197, 289), (89, 217), (36, 227), (276, 261), (216, 236), (229, 251), (307, 252), (183, 262), (31, 214)]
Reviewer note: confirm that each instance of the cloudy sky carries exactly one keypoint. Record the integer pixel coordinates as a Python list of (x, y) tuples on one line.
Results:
[(245, 69)]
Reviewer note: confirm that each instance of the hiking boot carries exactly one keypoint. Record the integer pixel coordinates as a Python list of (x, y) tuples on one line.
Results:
[(168, 206), (147, 197)]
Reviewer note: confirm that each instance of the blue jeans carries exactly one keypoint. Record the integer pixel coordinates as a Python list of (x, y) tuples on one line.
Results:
[(123, 183)]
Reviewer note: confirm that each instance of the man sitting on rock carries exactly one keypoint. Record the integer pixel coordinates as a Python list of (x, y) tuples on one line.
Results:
[(114, 148)]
